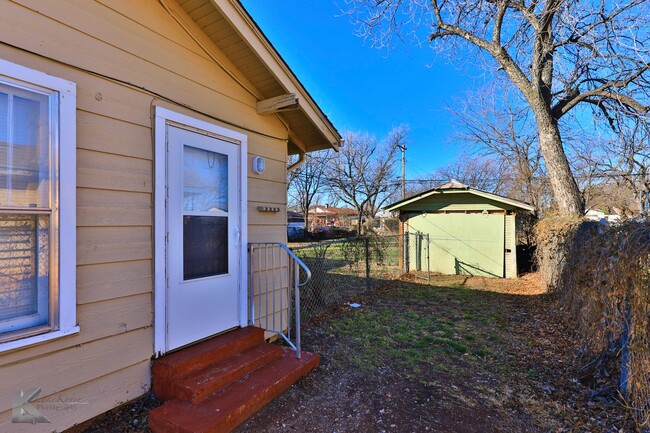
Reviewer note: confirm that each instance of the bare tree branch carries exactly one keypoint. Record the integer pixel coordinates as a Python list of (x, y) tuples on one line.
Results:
[(362, 174), (559, 54)]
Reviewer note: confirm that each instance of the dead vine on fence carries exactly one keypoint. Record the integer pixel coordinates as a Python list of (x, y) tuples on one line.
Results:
[(602, 274)]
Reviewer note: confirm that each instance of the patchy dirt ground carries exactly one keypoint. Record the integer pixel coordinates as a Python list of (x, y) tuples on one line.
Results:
[(456, 354)]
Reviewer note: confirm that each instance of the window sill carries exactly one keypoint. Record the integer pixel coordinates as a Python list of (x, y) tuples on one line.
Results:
[(37, 339)]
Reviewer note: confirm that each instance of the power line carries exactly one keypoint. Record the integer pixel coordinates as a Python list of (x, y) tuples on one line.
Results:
[(542, 178)]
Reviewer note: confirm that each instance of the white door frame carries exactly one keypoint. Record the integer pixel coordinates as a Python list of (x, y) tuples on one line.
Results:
[(163, 117)]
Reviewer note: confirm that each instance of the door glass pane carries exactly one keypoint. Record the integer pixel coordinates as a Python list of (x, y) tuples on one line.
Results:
[(205, 180), (205, 246), (24, 271), (24, 148)]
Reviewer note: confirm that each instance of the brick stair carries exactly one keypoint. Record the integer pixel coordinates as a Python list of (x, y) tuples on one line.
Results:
[(214, 386)]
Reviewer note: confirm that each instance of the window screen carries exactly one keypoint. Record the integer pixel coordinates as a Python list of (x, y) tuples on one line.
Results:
[(25, 207)]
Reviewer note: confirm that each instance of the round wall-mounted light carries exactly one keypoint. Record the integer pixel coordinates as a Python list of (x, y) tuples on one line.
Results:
[(259, 165)]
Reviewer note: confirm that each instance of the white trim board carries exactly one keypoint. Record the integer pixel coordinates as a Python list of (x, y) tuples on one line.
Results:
[(163, 117), (67, 195)]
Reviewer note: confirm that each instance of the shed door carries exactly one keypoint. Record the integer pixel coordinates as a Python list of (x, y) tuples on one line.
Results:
[(467, 244), (203, 248)]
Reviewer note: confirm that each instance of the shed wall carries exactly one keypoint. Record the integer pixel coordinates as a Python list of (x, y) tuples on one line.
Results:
[(469, 244), (130, 43)]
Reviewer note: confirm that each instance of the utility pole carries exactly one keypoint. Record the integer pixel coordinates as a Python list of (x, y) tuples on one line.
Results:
[(402, 147)]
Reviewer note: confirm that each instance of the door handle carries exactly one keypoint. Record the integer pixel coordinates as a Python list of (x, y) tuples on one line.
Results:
[(236, 233)]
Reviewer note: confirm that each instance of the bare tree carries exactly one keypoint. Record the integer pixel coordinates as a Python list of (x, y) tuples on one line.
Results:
[(633, 168), (480, 173), (560, 54), (362, 174), (421, 184), (499, 125), (307, 181), (621, 162), (586, 156), (397, 139)]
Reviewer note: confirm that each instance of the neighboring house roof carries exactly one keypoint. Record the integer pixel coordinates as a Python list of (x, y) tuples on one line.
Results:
[(330, 210), (456, 187), (383, 214), (597, 215), (254, 60), (295, 215)]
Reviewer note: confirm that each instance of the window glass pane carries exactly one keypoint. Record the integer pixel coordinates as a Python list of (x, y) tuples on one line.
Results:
[(26, 118), (4, 133), (24, 148), (205, 246), (205, 180), (24, 271), (4, 106)]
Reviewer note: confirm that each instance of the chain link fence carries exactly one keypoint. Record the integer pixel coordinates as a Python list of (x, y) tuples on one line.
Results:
[(345, 269)]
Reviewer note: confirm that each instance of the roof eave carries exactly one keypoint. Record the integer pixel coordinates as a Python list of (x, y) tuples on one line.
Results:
[(246, 26), (512, 202)]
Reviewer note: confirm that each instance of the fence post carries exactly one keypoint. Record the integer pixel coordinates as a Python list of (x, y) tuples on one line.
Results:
[(296, 284), (428, 262), (367, 248), (418, 249), (625, 351), (406, 252)]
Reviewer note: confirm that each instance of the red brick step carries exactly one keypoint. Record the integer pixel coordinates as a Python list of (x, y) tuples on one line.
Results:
[(237, 402), (190, 360), (216, 385), (198, 386)]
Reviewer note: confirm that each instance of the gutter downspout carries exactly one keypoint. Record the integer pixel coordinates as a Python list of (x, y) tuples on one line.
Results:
[(295, 165)]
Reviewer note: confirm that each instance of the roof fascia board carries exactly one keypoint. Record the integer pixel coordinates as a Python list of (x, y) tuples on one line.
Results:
[(410, 200), (506, 200), (494, 197), (243, 24)]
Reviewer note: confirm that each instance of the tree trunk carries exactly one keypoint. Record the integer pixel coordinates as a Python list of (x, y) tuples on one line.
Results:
[(359, 219), (563, 184)]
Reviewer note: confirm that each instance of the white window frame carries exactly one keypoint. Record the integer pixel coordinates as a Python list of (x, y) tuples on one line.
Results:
[(66, 176)]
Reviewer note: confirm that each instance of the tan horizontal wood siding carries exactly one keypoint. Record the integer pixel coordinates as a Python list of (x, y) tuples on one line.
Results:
[(119, 53)]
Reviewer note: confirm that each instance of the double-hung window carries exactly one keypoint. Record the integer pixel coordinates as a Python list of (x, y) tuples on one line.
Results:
[(37, 206)]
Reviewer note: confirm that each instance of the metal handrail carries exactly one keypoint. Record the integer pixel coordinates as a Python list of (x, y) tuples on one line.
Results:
[(298, 261), (274, 286)]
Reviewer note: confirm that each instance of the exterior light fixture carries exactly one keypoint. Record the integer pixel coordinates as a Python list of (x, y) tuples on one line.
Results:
[(259, 165)]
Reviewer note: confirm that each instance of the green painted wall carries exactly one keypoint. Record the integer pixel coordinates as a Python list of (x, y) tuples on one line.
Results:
[(471, 244)]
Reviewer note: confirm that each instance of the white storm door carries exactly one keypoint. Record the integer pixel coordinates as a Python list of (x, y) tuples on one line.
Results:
[(203, 236)]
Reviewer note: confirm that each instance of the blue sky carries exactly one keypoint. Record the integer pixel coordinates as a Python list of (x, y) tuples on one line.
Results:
[(364, 89)]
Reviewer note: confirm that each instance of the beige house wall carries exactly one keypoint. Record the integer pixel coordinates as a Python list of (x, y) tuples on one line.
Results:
[(109, 49)]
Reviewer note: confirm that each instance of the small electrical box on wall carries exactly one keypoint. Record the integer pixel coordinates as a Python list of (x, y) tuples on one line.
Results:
[(259, 165)]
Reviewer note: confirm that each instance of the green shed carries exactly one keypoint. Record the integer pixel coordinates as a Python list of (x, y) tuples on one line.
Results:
[(470, 231)]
